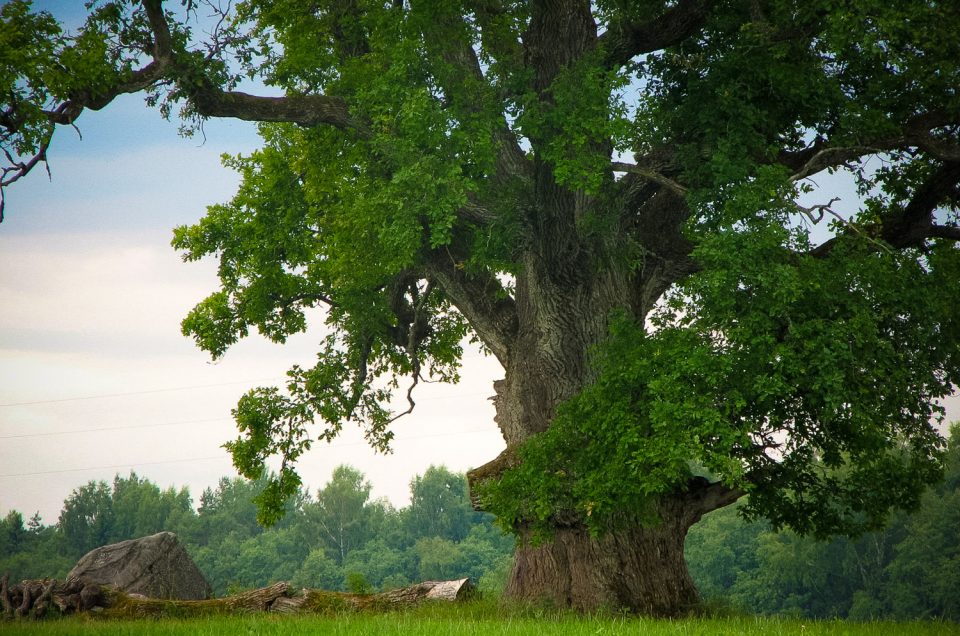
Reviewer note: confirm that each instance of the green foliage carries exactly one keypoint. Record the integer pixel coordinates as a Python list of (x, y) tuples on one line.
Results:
[(823, 375), (439, 505), (380, 564), (904, 570), (140, 508), (341, 514), (926, 563), (438, 558), (356, 583), (86, 520), (318, 571), (323, 542)]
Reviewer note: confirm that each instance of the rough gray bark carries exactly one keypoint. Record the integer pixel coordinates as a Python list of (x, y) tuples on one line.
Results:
[(156, 566), (638, 569)]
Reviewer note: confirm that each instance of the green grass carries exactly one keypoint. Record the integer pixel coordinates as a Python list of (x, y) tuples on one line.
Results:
[(472, 619)]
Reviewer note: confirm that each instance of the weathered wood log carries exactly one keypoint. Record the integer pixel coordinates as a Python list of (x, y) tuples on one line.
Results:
[(281, 598), (33, 598), (323, 602), (5, 596), (119, 604), (429, 590), (43, 601), (25, 603)]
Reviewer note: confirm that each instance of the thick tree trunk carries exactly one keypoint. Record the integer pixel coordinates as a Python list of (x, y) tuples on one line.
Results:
[(570, 283), (639, 569)]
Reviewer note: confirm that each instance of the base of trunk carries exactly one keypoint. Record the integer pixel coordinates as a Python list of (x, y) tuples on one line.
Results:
[(640, 569)]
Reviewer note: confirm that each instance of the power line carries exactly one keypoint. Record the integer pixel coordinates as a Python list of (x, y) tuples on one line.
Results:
[(201, 459), (189, 388), (116, 428), (145, 392), (183, 422), (115, 467)]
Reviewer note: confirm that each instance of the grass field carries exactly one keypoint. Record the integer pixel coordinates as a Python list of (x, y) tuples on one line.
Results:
[(472, 619)]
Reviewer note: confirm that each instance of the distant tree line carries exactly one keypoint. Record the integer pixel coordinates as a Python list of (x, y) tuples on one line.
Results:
[(337, 539), (909, 569), (341, 539)]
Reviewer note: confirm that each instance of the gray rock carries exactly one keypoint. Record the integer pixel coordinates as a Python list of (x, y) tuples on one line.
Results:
[(156, 566)]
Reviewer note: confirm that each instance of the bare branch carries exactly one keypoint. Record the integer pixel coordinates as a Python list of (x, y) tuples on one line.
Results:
[(704, 496), (619, 166), (208, 99), (826, 208), (477, 214), (821, 208), (305, 110), (934, 146), (824, 158), (915, 222), (915, 133), (911, 225), (410, 402), (19, 169)]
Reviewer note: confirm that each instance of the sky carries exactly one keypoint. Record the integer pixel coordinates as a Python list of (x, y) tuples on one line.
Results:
[(95, 376)]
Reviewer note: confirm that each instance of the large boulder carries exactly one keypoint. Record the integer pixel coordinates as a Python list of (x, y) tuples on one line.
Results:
[(156, 567)]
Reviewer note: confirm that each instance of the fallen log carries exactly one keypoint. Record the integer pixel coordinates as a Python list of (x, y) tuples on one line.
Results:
[(119, 604), (281, 598), (33, 598), (323, 602)]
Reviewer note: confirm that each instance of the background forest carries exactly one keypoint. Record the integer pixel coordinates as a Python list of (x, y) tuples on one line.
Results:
[(340, 539)]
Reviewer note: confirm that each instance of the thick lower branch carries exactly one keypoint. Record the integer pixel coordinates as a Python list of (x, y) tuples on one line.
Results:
[(211, 101), (304, 110), (624, 41), (481, 299), (704, 496)]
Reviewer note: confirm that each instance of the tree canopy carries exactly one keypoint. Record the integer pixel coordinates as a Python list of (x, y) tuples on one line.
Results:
[(612, 198)]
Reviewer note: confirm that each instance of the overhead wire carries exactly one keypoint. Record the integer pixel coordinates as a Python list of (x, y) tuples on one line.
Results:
[(164, 390), (200, 421), (132, 465), (129, 393), (125, 427)]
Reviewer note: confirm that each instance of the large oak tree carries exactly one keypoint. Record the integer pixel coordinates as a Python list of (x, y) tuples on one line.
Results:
[(605, 196)]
